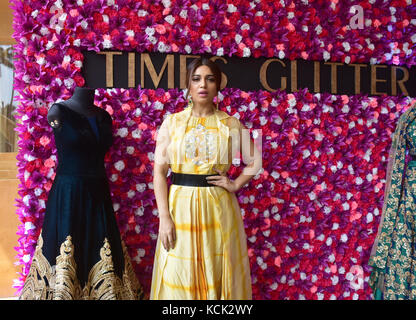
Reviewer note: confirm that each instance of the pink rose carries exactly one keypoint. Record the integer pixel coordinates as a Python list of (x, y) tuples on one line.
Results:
[(109, 110), (49, 163), (160, 28), (125, 107), (44, 140)]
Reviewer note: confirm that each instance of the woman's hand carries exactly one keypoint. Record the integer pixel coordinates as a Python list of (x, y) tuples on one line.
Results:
[(167, 232), (223, 181)]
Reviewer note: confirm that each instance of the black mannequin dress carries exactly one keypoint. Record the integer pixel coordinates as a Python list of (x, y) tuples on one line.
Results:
[(79, 254)]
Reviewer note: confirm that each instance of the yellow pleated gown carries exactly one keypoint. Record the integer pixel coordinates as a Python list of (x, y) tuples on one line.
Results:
[(210, 259)]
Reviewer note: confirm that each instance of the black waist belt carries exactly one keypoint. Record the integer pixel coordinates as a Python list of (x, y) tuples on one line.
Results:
[(193, 180)]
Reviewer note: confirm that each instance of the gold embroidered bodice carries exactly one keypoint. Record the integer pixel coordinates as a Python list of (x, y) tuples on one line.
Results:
[(199, 145)]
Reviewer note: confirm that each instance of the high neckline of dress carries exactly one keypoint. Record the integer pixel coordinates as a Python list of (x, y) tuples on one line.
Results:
[(205, 117)]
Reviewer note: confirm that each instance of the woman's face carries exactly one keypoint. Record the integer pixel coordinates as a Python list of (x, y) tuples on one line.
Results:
[(203, 88)]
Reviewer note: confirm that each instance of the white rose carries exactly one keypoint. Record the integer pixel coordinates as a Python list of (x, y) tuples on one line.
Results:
[(140, 187), (136, 134), (119, 165), (231, 8), (246, 52), (149, 31), (122, 132), (170, 19)]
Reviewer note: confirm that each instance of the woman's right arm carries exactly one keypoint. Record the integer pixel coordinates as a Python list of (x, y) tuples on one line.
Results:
[(167, 232)]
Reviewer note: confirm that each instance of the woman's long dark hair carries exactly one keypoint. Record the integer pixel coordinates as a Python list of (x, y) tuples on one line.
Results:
[(195, 64)]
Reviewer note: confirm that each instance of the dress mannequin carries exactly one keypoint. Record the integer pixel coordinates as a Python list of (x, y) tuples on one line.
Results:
[(80, 253)]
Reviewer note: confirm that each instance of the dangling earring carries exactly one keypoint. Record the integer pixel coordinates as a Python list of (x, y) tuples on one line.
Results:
[(217, 102), (190, 102)]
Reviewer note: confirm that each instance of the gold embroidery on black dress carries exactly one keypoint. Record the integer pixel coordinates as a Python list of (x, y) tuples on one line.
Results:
[(38, 282), (61, 283), (67, 286)]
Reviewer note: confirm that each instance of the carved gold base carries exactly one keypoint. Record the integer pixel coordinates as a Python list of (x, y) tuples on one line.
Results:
[(59, 282)]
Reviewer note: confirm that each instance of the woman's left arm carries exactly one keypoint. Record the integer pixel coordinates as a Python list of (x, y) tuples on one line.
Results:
[(252, 158)]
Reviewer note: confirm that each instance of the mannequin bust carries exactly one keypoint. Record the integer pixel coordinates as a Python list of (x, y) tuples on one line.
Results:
[(82, 102)]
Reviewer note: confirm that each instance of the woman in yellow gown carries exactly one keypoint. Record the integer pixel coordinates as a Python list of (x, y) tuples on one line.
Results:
[(201, 250)]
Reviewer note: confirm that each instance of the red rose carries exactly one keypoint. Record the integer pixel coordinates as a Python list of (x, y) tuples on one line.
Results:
[(78, 56), (44, 170), (79, 80), (53, 52)]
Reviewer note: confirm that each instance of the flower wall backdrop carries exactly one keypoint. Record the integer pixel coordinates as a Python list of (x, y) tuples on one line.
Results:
[(312, 213)]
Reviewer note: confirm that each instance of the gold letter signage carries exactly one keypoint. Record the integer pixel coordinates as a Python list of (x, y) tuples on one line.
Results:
[(116, 69)]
